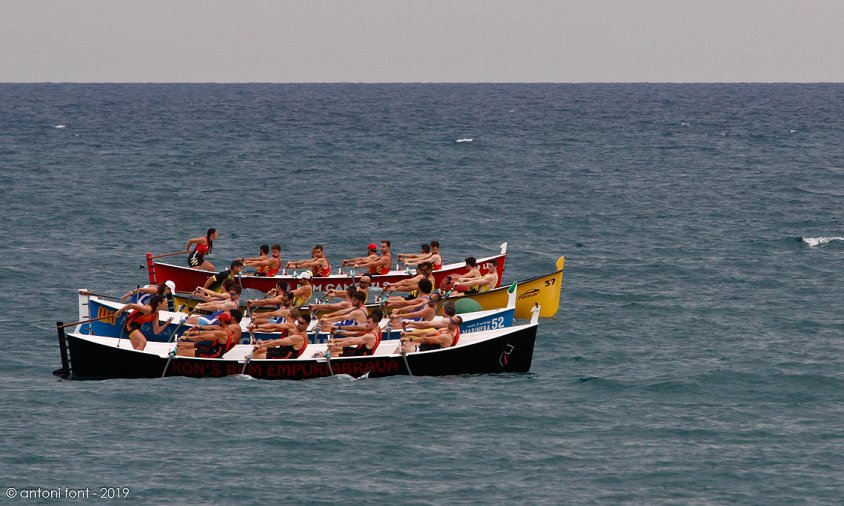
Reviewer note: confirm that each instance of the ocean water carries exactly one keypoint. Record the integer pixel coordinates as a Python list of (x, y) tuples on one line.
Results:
[(696, 357)]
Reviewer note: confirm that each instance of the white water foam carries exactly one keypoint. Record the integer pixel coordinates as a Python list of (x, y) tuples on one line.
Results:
[(59, 126), (464, 140), (817, 241)]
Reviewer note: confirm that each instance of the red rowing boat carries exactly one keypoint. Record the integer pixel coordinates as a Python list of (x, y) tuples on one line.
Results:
[(187, 279)]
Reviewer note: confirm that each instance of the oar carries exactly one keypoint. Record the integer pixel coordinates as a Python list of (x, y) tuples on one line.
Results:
[(175, 333), (140, 268), (170, 254), (327, 355), (170, 357), (87, 321), (249, 356)]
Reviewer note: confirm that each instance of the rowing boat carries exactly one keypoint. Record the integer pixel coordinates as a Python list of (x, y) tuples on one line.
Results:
[(102, 313), (542, 290), (493, 351), (187, 278)]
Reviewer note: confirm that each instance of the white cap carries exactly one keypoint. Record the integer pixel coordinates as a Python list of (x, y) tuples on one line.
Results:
[(305, 275), (171, 285)]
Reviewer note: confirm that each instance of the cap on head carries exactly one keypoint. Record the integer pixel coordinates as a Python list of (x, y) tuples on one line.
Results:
[(224, 317), (372, 247), (171, 285), (305, 275)]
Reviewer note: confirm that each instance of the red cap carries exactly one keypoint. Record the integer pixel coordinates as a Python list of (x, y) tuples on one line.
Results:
[(372, 247), (225, 317)]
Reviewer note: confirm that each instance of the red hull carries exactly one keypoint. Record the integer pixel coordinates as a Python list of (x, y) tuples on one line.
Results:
[(187, 279)]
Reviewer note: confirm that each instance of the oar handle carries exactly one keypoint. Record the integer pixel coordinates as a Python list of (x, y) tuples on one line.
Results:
[(170, 254)]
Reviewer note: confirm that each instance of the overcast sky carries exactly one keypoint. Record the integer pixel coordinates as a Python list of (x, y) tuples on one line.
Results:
[(421, 41)]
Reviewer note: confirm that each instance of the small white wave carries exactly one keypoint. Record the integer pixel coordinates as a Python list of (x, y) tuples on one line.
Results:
[(60, 126), (685, 124), (465, 139), (817, 241), (792, 131), (349, 377)]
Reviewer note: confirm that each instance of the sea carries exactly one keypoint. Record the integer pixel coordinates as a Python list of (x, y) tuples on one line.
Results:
[(696, 357)]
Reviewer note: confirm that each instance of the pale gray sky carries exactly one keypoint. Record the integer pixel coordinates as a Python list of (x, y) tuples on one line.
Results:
[(421, 41)]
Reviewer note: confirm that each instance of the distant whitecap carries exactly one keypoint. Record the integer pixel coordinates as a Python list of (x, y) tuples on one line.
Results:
[(817, 241), (59, 126), (465, 140), (685, 124), (793, 131)]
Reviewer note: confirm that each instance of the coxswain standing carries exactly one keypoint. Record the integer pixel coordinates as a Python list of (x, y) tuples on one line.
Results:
[(204, 245)]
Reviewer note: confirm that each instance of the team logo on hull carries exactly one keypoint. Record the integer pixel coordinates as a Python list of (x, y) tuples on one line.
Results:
[(103, 312), (530, 293)]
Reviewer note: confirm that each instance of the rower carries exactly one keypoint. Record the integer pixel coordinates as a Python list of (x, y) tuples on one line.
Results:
[(444, 338), (371, 255), (359, 346), (430, 253), (212, 342), (142, 294), (318, 264), (486, 282), (215, 282), (376, 264), (141, 314), (265, 265), (291, 345)]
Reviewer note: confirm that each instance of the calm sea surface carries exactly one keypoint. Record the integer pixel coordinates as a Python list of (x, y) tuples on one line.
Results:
[(696, 356)]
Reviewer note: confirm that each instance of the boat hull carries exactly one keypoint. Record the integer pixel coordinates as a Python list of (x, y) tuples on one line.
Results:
[(92, 307), (543, 290), (510, 350), (187, 279)]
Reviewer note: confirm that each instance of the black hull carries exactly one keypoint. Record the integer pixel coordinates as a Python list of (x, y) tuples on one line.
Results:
[(508, 352)]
